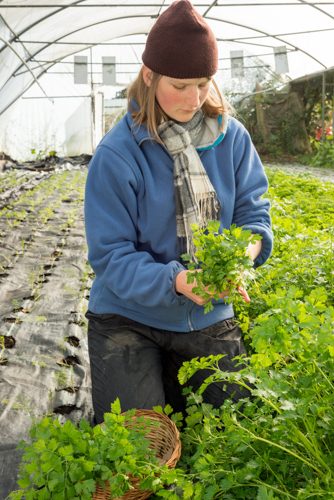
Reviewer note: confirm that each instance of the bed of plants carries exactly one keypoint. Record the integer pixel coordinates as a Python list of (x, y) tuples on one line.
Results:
[(278, 444)]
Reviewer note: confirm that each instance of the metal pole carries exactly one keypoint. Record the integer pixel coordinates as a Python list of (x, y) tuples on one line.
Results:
[(333, 117), (92, 101), (323, 94)]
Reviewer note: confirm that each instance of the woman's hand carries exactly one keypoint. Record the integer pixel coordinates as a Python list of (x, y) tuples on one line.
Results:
[(254, 249), (185, 288)]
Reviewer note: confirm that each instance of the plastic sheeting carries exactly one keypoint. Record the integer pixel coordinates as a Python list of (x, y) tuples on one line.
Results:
[(36, 33), (42, 126), (44, 282)]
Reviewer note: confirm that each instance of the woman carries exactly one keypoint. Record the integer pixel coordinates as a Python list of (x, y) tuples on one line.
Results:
[(175, 152)]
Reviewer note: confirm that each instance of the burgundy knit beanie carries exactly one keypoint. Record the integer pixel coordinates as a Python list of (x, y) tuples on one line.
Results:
[(181, 44)]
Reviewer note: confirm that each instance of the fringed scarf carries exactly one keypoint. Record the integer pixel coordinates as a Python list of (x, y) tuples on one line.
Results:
[(195, 198)]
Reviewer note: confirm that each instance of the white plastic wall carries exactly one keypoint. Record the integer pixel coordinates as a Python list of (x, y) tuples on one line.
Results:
[(63, 126), (68, 121)]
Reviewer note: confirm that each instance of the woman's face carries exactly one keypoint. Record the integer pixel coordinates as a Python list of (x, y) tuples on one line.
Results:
[(180, 98)]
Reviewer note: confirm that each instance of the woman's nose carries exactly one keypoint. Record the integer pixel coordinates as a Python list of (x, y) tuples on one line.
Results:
[(193, 97)]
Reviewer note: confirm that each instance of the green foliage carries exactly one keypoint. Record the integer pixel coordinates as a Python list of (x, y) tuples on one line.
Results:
[(223, 261), (42, 154), (278, 444), (324, 156), (302, 216), (66, 461), (281, 441)]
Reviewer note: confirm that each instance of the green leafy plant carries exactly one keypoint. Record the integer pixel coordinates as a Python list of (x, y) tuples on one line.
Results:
[(324, 156), (3, 359), (42, 154), (277, 444), (67, 462), (221, 261)]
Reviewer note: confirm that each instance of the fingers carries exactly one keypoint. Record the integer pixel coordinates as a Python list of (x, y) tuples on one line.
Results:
[(198, 300), (244, 294), (183, 287)]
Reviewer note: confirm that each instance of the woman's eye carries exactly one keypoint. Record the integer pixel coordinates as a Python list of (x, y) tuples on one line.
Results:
[(200, 86)]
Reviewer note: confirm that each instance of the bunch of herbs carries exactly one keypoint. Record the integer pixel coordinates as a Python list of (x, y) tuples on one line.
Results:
[(220, 264)]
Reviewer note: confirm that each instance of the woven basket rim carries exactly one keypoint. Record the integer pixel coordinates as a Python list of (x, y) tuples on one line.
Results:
[(166, 422), (174, 455)]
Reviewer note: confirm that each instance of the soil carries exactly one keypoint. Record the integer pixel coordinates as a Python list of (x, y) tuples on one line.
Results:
[(324, 174)]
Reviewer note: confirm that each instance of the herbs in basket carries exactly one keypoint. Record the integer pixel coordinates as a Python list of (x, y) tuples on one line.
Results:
[(121, 458)]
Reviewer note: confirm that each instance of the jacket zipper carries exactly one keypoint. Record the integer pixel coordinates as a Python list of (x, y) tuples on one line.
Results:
[(190, 325)]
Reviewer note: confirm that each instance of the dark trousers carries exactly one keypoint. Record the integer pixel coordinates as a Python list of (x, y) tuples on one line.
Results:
[(139, 364)]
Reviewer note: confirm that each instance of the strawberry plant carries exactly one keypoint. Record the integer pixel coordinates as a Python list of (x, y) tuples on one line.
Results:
[(221, 262)]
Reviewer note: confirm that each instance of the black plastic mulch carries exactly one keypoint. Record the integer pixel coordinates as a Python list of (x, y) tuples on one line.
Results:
[(44, 284)]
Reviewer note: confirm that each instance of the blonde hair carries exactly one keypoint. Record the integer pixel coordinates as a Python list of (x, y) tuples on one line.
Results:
[(146, 109)]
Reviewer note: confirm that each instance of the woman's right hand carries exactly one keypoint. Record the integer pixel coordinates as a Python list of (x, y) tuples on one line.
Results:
[(183, 287)]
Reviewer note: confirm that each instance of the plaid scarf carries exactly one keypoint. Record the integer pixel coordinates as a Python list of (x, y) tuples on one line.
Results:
[(195, 198)]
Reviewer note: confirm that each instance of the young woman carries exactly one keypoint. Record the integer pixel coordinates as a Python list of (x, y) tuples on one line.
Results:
[(176, 157)]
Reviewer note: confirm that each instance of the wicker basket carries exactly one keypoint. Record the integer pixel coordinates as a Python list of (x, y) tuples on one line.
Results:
[(165, 441)]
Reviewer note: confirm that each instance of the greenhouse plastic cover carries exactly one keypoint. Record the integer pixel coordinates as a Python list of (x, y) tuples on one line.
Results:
[(36, 34)]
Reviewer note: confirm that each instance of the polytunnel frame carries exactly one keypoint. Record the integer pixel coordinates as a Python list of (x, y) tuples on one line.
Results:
[(44, 70), (16, 37)]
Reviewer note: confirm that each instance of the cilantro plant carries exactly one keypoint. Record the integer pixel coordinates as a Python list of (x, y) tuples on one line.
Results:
[(279, 443), (221, 262), (66, 461)]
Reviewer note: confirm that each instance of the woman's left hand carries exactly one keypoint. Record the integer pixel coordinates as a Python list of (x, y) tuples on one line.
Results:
[(244, 294), (185, 288)]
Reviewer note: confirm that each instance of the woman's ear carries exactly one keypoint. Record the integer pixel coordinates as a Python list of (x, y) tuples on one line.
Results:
[(147, 76)]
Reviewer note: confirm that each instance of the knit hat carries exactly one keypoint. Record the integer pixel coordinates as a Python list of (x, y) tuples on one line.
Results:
[(181, 44)]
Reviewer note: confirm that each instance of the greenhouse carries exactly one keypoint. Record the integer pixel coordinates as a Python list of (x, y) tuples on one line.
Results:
[(66, 67)]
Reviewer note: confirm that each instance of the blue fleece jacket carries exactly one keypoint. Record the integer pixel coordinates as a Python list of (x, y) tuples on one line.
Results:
[(131, 227)]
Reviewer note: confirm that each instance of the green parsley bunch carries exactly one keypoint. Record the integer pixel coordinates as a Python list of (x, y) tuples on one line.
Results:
[(221, 263)]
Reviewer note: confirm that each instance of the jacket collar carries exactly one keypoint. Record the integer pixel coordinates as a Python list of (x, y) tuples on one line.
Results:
[(214, 133), (139, 132)]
